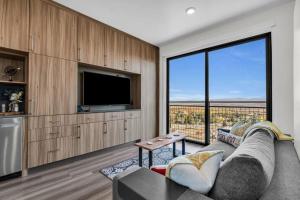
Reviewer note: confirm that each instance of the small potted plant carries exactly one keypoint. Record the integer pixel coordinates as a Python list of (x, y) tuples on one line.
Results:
[(15, 99)]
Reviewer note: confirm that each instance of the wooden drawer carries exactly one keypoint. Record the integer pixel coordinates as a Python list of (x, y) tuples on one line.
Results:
[(44, 134), (90, 118), (110, 116), (43, 152), (132, 114), (47, 151), (45, 121), (69, 120)]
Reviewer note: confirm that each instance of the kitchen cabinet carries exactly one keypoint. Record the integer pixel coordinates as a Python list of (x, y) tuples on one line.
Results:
[(53, 30), (14, 24)]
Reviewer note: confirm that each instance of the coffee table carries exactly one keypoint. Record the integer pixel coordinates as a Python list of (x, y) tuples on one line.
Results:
[(160, 142)]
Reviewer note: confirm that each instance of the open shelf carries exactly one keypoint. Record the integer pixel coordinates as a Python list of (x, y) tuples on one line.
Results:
[(13, 82)]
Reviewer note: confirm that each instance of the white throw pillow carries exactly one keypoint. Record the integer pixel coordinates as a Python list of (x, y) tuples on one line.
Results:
[(197, 171)]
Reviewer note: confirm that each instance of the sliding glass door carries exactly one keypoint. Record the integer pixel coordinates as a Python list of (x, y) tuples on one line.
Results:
[(218, 86)]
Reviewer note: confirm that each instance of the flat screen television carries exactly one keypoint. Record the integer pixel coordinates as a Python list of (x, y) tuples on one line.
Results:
[(102, 89)]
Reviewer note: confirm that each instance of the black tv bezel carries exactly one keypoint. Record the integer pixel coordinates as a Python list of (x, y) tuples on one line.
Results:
[(112, 75)]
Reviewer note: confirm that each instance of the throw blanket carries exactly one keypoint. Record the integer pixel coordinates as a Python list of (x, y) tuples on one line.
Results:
[(268, 127)]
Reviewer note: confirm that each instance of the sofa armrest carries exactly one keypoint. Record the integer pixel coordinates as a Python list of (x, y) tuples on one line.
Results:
[(116, 179)]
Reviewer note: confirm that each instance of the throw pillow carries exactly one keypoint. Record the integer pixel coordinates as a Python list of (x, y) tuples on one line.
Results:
[(160, 169), (240, 127), (197, 171), (228, 138)]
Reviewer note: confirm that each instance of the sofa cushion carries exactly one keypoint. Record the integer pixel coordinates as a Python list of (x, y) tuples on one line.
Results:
[(248, 171), (218, 145)]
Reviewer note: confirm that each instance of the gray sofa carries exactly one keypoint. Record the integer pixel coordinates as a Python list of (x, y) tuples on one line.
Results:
[(260, 168)]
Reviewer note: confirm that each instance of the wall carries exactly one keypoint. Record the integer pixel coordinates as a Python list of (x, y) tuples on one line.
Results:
[(279, 21), (296, 76)]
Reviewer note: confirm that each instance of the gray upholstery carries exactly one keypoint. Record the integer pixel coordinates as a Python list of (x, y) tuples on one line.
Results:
[(248, 171), (218, 145), (117, 177), (285, 183)]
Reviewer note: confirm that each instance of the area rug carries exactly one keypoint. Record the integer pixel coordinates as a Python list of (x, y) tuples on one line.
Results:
[(161, 156)]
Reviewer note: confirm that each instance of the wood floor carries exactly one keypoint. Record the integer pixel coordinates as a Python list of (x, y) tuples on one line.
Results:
[(71, 179), (75, 179)]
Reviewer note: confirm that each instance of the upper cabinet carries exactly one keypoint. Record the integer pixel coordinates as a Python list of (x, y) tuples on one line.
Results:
[(90, 41), (114, 49), (53, 30), (132, 55), (14, 24)]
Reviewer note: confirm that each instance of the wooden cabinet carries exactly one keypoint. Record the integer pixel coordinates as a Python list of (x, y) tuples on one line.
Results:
[(53, 30), (114, 49), (14, 24), (149, 83), (91, 137), (132, 129), (113, 133), (132, 55), (90, 41), (52, 87)]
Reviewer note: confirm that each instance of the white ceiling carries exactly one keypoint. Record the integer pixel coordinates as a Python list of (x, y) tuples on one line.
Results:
[(159, 21)]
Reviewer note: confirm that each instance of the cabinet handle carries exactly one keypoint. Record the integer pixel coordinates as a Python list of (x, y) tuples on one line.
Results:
[(125, 64), (105, 62), (105, 128), (53, 151), (79, 54), (125, 125), (54, 133), (32, 43), (30, 106), (78, 132)]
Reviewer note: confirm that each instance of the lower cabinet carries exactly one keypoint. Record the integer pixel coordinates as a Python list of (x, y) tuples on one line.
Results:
[(53, 143), (132, 129), (113, 133)]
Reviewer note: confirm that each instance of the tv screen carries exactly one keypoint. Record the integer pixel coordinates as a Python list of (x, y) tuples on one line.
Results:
[(101, 89)]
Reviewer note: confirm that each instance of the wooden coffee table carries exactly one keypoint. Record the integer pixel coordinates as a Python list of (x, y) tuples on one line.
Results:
[(160, 142)]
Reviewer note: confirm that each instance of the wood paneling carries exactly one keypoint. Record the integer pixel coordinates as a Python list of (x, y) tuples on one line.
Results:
[(90, 117), (53, 30), (14, 24), (132, 55), (52, 86), (149, 92), (90, 41), (114, 49)]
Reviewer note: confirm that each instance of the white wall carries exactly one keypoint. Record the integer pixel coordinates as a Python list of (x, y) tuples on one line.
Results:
[(279, 21), (297, 76)]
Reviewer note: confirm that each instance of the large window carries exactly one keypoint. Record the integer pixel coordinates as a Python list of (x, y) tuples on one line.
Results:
[(219, 86)]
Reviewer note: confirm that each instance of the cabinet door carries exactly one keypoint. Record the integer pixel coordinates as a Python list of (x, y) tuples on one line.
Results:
[(149, 93), (114, 49), (91, 137), (53, 30), (113, 133), (14, 24), (90, 41), (132, 55), (52, 86), (132, 129)]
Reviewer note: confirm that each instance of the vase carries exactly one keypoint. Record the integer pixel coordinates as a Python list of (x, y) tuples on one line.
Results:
[(16, 107)]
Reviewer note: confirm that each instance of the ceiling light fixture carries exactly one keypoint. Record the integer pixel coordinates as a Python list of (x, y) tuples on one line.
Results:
[(190, 10)]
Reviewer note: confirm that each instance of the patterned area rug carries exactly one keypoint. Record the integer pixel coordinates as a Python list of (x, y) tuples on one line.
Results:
[(161, 156)]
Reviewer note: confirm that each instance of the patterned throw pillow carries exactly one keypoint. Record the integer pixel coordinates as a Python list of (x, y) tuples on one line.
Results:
[(197, 171), (240, 127), (228, 138)]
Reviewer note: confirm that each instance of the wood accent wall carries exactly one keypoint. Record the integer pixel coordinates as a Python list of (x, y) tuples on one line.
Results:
[(56, 40)]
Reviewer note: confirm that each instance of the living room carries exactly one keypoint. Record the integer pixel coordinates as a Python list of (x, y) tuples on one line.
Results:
[(149, 99)]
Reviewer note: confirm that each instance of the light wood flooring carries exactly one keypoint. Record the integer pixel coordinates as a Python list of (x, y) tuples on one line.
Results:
[(76, 178)]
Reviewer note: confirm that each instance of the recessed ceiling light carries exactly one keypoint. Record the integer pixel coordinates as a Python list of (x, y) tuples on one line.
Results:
[(190, 10)]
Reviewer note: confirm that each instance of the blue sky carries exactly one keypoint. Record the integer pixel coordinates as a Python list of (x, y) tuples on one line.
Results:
[(234, 72)]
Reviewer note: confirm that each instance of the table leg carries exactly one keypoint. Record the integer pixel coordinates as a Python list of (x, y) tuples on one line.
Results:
[(183, 147), (140, 157), (174, 149), (150, 159)]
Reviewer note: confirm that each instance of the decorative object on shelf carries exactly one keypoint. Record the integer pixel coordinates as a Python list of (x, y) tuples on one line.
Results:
[(15, 99), (11, 71)]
